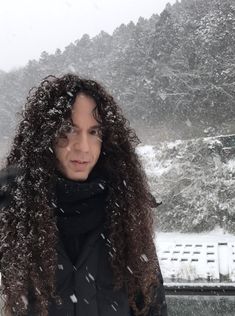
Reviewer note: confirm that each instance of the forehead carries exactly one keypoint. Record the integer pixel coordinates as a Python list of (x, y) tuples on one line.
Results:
[(83, 109), (83, 103)]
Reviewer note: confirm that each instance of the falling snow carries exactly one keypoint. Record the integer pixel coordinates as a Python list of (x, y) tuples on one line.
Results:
[(73, 298)]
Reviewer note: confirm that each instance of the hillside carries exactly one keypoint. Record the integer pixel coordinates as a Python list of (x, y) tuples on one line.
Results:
[(195, 180), (173, 74)]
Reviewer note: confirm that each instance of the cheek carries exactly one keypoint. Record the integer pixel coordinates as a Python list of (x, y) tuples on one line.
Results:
[(60, 154), (98, 151)]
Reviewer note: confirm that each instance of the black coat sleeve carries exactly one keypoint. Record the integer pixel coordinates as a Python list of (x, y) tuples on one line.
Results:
[(7, 178), (4, 197)]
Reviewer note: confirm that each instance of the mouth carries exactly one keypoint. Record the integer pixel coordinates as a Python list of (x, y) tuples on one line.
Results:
[(79, 165), (79, 161)]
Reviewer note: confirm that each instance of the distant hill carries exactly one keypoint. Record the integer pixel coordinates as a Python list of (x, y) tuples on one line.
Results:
[(195, 180), (173, 74)]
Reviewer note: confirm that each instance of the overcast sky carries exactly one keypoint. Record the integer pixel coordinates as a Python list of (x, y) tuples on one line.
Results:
[(28, 27)]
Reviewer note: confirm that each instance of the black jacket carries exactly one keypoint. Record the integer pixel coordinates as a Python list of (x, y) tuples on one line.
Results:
[(86, 287)]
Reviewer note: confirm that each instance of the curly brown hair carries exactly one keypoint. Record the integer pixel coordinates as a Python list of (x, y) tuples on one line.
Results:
[(28, 225)]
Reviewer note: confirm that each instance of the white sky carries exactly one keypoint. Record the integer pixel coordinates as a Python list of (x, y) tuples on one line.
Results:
[(28, 27)]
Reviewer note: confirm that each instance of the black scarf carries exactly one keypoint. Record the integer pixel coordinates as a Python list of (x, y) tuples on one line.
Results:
[(80, 209)]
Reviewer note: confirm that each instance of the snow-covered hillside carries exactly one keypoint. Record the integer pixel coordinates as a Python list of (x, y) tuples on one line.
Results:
[(195, 180)]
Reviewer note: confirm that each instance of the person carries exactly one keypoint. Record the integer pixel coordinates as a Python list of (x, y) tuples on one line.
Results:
[(76, 225)]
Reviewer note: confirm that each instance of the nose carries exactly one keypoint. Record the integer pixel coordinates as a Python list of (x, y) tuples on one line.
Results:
[(81, 143)]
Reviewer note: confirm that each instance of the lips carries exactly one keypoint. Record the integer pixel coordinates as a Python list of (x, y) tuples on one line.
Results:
[(79, 161), (79, 165)]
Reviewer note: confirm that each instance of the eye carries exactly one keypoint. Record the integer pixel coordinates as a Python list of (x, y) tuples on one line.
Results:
[(96, 132), (66, 129), (72, 130)]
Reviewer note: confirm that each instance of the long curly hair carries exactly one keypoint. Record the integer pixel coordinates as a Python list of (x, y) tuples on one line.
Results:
[(28, 224)]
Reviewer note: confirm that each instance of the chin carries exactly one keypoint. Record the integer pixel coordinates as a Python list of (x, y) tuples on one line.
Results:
[(78, 177)]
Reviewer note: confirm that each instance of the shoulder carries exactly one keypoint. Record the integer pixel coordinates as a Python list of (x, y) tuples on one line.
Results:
[(7, 180), (8, 174)]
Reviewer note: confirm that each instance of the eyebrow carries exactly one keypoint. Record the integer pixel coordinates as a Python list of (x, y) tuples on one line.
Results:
[(93, 126)]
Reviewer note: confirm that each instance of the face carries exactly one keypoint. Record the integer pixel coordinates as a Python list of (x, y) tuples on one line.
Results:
[(78, 150)]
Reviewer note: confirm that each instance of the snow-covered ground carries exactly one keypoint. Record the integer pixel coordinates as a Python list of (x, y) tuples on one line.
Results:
[(197, 258)]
